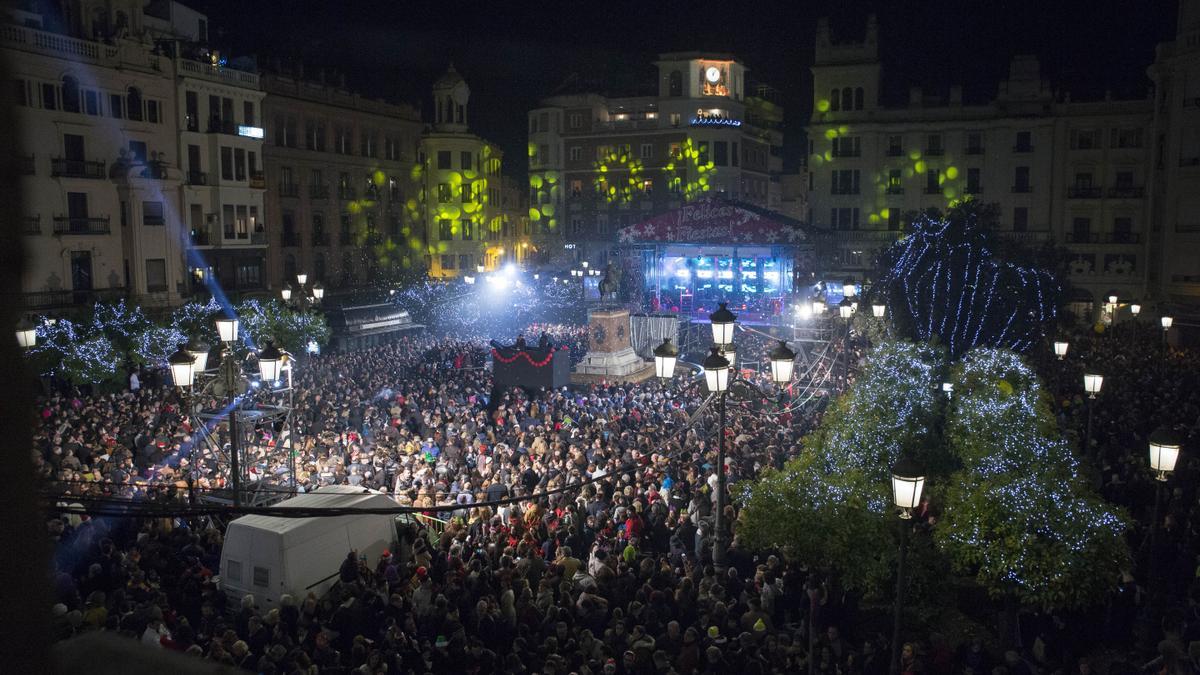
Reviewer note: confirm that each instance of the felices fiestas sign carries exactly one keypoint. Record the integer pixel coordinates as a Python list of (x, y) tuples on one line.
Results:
[(711, 221)]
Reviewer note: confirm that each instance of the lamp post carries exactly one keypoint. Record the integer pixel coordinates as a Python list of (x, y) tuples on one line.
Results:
[(1166, 326), (716, 377), (1060, 349), (783, 362), (878, 311), (846, 311), (26, 334), (1164, 452), (1092, 382), (665, 357), (303, 300), (908, 480), (182, 364)]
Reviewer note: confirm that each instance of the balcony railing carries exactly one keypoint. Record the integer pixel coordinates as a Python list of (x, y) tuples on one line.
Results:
[(289, 189), (320, 238), (1025, 237), (258, 181), (197, 178), (935, 152), (895, 152), (1082, 192), (155, 171), (31, 225), (1126, 192), (346, 193), (1022, 189), (50, 299), (318, 192), (1102, 237), (201, 238), (76, 168), (290, 239), (847, 152), (68, 225), (895, 189)]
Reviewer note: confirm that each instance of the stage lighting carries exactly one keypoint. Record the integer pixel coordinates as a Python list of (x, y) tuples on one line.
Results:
[(468, 280), (510, 269)]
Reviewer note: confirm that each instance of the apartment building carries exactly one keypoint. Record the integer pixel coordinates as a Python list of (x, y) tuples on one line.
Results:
[(1079, 174), (600, 163)]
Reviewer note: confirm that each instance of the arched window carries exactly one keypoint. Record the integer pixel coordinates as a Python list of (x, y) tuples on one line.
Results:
[(289, 268), (834, 100), (858, 98), (70, 94), (133, 104), (675, 83), (847, 98)]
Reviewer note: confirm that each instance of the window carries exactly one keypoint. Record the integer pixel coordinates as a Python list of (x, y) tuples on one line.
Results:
[(233, 569), (1123, 230), (49, 96), (835, 100), (468, 193), (576, 153), (133, 104), (447, 262), (733, 155), (933, 144), (1081, 230), (858, 98), (248, 113), (675, 83), (1127, 138), (703, 152), (975, 143), (1124, 180), (646, 151), (575, 120), (465, 159), (602, 223), (465, 226), (152, 213), (973, 184), (1085, 139), (239, 164), (367, 144), (116, 105), (156, 275), (576, 187), (895, 146), (444, 194), (226, 163), (249, 275), (73, 147), (543, 154), (391, 148), (77, 206), (845, 182), (1021, 179), (847, 146), (137, 151), (1020, 219), (893, 219), (895, 185), (931, 182), (1083, 181), (445, 229), (464, 262), (152, 112), (262, 576), (70, 94), (844, 218), (443, 160), (647, 187), (342, 144), (1024, 142), (847, 98), (674, 119), (720, 153)]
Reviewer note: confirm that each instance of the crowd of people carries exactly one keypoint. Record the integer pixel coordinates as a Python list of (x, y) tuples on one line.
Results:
[(604, 566)]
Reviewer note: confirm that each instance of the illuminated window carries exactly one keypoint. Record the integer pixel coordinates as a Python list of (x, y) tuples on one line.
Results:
[(468, 193), (676, 151), (444, 194), (648, 187), (675, 185), (894, 184), (647, 151), (464, 225), (576, 188), (674, 119)]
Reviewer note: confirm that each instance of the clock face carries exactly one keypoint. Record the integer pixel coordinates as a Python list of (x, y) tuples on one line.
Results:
[(713, 74)]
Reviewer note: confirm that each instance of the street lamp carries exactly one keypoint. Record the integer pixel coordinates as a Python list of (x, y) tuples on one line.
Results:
[(878, 310), (1135, 309), (26, 334), (227, 329), (1164, 452), (1112, 299), (1092, 382), (716, 376), (783, 361), (286, 293), (818, 307), (849, 289), (948, 388), (846, 309), (270, 361), (302, 278), (199, 352), (908, 480), (182, 365), (318, 291), (722, 322), (665, 356), (1060, 348)]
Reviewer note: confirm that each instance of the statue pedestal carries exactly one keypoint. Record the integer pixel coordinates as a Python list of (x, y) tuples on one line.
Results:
[(610, 355)]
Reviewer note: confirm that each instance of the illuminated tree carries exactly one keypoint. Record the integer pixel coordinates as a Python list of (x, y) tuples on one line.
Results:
[(291, 330), (943, 282)]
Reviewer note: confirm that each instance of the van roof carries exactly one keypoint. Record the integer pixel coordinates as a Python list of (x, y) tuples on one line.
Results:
[(332, 496)]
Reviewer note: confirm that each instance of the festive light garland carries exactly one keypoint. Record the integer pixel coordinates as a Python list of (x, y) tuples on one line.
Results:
[(536, 364)]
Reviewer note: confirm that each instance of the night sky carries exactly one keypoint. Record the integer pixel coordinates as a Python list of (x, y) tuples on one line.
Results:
[(515, 53)]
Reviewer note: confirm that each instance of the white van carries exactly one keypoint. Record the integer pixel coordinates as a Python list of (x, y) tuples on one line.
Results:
[(271, 556)]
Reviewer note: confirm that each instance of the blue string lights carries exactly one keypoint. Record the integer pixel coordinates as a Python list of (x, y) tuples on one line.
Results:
[(954, 291)]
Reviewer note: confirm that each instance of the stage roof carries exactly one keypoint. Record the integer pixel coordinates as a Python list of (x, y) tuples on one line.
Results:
[(716, 221)]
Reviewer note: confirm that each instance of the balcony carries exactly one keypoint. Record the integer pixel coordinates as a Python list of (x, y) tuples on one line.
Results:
[(1126, 192), (27, 165), (1022, 148), (977, 150), (289, 189), (155, 171), (197, 178), (31, 225), (934, 152), (1022, 189), (318, 192), (847, 152), (346, 193), (217, 125), (895, 189), (320, 239), (201, 238), (1026, 237), (219, 73), (868, 235), (1102, 237), (67, 225), (258, 181), (52, 299), (76, 168), (1084, 192)]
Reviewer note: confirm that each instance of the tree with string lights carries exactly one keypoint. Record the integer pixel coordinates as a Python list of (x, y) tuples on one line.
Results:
[(946, 282)]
